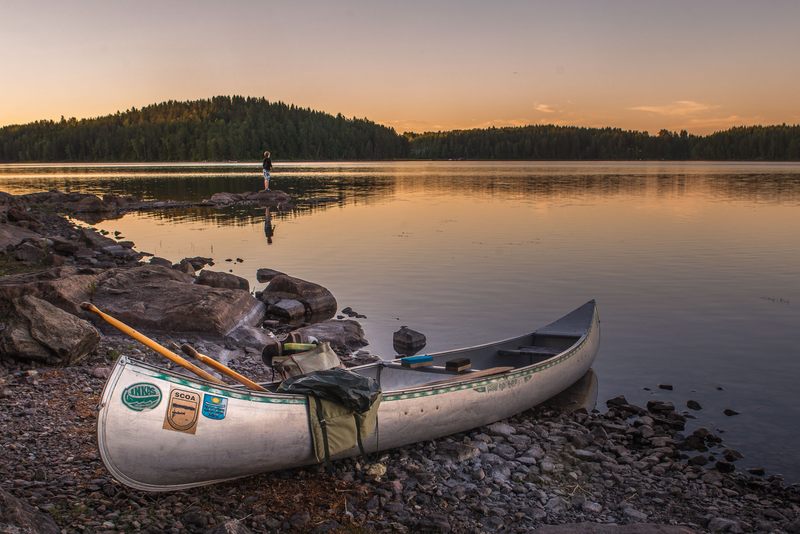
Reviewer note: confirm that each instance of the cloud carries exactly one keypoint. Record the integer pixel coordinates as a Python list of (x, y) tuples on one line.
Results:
[(544, 108), (679, 108)]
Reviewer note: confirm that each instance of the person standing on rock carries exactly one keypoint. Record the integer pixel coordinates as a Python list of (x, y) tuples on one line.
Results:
[(267, 165)]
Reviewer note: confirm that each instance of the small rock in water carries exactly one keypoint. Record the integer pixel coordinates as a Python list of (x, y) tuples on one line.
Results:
[(693, 405), (729, 412), (665, 386)]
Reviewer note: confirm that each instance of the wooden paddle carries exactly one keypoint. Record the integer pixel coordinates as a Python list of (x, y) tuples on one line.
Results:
[(211, 362), (138, 336)]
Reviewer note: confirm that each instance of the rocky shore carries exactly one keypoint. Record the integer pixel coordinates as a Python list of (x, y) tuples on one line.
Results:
[(553, 469)]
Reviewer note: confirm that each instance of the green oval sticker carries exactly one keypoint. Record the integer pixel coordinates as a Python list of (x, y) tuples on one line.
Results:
[(141, 396)]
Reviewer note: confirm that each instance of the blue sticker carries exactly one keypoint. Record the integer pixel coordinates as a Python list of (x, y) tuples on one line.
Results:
[(214, 407)]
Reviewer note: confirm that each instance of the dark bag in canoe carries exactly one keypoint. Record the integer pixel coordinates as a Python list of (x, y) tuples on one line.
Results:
[(342, 409)]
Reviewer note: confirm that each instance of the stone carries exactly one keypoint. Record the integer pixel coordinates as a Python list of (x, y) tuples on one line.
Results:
[(407, 341), (657, 406), (665, 386), (265, 275), (343, 335), (29, 253), (719, 524), (198, 262), (224, 280), (290, 310), (161, 299), (501, 429), (94, 239), (12, 235), (101, 372), (320, 304), (17, 516), (729, 412), (634, 514), (36, 330), (250, 336), (156, 260), (693, 405)]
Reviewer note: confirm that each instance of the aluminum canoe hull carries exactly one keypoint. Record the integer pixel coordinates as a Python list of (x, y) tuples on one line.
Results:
[(259, 432)]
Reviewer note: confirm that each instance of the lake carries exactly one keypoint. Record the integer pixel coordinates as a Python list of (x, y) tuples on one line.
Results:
[(695, 266)]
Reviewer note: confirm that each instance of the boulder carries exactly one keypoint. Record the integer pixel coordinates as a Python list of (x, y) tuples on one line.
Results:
[(344, 336), (289, 310), (319, 303), (17, 516), (34, 329), (65, 287), (161, 299), (11, 235), (225, 280), (198, 262), (265, 275)]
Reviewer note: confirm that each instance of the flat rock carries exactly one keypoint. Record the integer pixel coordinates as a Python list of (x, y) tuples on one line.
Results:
[(344, 336), (161, 299), (11, 235), (224, 280)]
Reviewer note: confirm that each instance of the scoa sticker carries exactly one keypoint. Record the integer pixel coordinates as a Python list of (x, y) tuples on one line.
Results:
[(141, 396), (182, 411), (214, 407)]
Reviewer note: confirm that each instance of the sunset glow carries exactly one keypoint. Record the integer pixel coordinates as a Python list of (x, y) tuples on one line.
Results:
[(415, 66)]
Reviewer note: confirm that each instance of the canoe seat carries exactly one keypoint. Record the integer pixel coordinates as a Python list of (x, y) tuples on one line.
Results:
[(531, 354)]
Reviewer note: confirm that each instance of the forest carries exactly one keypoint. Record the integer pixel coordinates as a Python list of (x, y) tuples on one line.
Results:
[(237, 128), (222, 128)]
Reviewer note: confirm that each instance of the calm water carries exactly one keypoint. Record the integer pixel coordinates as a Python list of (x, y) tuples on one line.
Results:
[(695, 266)]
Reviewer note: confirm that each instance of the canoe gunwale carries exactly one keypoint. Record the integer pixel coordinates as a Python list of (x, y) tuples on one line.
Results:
[(238, 391)]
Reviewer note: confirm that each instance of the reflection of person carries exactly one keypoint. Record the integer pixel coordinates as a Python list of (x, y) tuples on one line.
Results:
[(269, 229), (267, 167)]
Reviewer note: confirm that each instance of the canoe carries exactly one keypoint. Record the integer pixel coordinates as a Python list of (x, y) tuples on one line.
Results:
[(159, 430)]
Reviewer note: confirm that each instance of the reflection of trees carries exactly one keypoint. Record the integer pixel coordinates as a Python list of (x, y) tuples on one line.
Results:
[(319, 186)]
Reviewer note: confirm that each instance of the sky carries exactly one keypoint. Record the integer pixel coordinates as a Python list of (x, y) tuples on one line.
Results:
[(700, 65)]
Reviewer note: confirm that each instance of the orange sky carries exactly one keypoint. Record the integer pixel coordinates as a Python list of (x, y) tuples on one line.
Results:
[(413, 65)]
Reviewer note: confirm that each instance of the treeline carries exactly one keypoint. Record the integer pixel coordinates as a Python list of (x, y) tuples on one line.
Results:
[(218, 129), (773, 143), (239, 128)]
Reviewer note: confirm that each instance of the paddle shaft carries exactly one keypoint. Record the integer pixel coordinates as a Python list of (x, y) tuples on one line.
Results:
[(211, 362), (141, 338)]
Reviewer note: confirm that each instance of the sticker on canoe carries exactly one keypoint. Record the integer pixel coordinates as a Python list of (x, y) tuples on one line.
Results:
[(141, 396), (182, 411), (214, 407)]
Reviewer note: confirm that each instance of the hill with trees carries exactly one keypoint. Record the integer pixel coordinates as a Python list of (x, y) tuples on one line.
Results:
[(218, 129), (240, 128)]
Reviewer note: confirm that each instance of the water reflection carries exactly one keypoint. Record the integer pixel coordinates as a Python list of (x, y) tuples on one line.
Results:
[(269, 228)]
